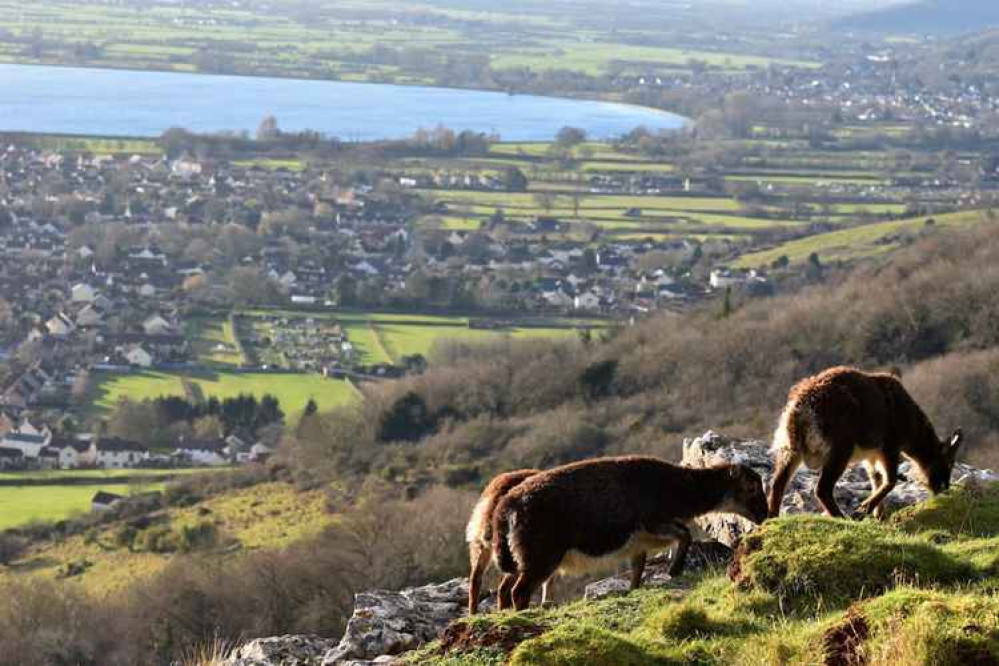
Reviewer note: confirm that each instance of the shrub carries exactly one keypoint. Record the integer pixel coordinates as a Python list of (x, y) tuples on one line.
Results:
[(12, 547)]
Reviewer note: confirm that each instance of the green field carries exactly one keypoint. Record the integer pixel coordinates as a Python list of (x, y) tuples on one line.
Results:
[(270, 515), (213, 342), (293, 390), (24, 504), (57, 476)]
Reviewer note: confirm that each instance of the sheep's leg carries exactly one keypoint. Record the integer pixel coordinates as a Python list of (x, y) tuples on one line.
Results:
[(785, 466), (504, 597), (479, 562), (546, 592), (873, 504), (833, 469), (525, 586), (679, 557), (637, 570)]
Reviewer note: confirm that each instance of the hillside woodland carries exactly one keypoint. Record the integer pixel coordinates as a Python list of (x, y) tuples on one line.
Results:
[(401, 472)]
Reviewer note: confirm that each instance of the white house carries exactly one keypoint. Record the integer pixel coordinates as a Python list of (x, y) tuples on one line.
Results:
[(115, 453), (83, 293), (157, 325), (89, 316), (587, 301), (136, 355), (60, 325), (29, 445), (68, 454), (208, 452)]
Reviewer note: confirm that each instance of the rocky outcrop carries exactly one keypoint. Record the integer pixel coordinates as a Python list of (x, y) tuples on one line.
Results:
[(712, 448), (388, 623)]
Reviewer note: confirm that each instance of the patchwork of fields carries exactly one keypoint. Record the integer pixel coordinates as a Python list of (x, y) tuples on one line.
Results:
[(333, 40)]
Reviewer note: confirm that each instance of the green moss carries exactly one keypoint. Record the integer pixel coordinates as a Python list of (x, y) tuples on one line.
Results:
[(808, 559), (968, 511), (574, 645), (913, 626)]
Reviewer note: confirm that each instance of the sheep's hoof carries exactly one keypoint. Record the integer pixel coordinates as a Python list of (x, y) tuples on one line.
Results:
[(548, 605), (860, 514)]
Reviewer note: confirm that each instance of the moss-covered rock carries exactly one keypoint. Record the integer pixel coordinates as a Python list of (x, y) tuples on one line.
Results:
[(805, 559), (968, 511)]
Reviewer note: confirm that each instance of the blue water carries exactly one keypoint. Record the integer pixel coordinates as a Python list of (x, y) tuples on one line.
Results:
[(66, 100)]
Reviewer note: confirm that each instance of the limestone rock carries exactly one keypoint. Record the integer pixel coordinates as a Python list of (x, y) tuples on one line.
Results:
[(282, 651), (700, 556), (712, 448), (390, 623)]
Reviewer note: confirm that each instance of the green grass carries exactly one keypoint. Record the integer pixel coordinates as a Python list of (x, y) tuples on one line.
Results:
[(859, 242), (293, 390), (24, 504), (594, 58), (804, 558), (262, 517), (206, 334), (57, 476)]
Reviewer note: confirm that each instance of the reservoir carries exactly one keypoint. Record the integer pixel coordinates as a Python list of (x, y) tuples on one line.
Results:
[(74, 100)]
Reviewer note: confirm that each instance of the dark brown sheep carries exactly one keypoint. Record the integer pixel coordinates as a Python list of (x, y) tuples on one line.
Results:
[(584, 516), (844, 416), (478, 534)]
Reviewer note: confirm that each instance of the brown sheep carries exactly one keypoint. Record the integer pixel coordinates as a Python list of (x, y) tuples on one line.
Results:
[(478, 534), (579, 517), (844, 416)]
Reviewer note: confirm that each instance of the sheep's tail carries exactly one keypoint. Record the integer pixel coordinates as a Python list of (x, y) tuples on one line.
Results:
[(504, 523)]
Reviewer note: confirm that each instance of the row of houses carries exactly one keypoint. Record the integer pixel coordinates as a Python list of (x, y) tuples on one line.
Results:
[(28, 447)]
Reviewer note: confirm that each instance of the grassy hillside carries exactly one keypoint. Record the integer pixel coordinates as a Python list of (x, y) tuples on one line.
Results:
[(268, 516), (921, 589), (928, 17)]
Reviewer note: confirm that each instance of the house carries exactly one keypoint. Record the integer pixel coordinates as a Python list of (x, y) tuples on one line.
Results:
[(70, 452), (587, 301), (60, 325), (102, 500), (208, 452), (11, 458), (260, 452), (138, 356), (48, 458), (29, 445), (82, 293), (157, 325), (115, 453), (89, 316)]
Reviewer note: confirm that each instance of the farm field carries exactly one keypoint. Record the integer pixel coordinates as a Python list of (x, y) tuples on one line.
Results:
[(24, 504), (267, 516), (213, 342), (334, 41), (293, 390), (387, 337), (57, 476)]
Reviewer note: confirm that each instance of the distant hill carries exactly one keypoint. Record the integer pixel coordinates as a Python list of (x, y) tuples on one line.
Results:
[(940, 17)]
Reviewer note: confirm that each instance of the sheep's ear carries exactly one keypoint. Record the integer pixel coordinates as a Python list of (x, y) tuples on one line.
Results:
[(955, 440)]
